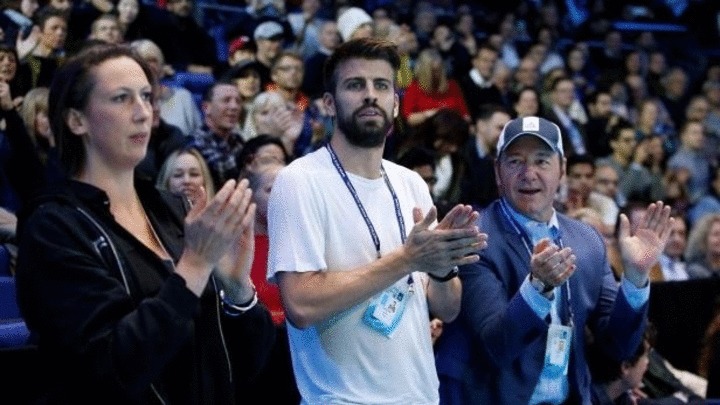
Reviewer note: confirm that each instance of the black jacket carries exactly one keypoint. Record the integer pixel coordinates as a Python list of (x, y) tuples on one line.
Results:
[(113, 322)]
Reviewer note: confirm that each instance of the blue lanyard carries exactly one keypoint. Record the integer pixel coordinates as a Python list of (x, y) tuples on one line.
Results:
[(363, 212), (520, 229)]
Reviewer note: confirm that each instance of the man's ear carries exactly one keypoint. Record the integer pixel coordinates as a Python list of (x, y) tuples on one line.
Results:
[(328, 101), (76, 121), (396, 106)]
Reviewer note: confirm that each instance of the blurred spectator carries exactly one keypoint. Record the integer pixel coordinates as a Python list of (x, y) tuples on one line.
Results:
[(255, 14), (691, 156), (270, 114), (620, 99), (329, 39), (15, 75), (34, 112), (184, 172), (261, 150), (107, 29), (268, 37), (577, 68), (580, 178), (634, 64), (636, 182), (711, 90), (454, 55), (218, 139), (526, 103), (197, 53), (594, 219), (306, 24), (652, 119), (527, 74), (407, 44), (621, 382), (601, 119), (650, 154), (49, 49), (675, 190), (240, 50), (708, 203), (354, 23), (477, 85), (698, 109), (479, 187), (22, 173), (465, 30), (545, 59), (164, 139), (508, 49), (709, 358), (609, 58), (246, 78), (674, 96), (657, 68), (561, 97), (606, 181), (16, 18), (287, 73), (431, 90), (177, 105), (287, 76), (421, 160), (703, 247), (275, 382), (672, 262), (138, 20), (445, 133), (424, 22)]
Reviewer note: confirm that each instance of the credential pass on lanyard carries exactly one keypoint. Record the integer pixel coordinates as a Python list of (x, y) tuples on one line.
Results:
[(363, 212)]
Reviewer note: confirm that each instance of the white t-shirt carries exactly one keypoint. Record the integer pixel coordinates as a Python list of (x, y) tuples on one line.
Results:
[(314, 224)]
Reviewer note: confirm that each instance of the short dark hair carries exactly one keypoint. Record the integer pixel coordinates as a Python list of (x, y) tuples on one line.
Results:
[(556, 81), (486, 111), (210, 92), (70, 89), (621, 125), (417, 156), (515, 95), (592, 98), (46, 13), (251, 147), (579, 159), (361, 48)]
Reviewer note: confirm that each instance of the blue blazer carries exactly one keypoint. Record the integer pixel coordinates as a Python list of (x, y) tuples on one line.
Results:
[(494, 352)]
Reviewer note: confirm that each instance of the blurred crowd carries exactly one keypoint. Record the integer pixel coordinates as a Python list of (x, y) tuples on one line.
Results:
[(634, 87)]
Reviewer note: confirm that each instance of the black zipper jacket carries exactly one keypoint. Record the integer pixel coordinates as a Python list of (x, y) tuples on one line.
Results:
[(113, 323)]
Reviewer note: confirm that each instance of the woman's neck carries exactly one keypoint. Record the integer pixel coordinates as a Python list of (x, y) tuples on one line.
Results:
[(119, 188)]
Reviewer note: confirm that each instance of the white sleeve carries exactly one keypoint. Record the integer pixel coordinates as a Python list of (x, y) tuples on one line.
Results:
[(295, 225)]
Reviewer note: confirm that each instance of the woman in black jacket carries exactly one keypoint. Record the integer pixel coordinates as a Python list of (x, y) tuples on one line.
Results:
[(134, 297)]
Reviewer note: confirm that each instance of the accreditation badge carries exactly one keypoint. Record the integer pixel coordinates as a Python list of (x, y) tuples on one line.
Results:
[(385, 311), (557, 349)]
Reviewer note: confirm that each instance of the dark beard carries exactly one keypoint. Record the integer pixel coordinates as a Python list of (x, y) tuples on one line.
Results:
[(367, 135)]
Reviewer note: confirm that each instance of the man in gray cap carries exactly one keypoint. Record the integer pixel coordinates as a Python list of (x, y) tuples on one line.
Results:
[(268, 37), (543, 279)]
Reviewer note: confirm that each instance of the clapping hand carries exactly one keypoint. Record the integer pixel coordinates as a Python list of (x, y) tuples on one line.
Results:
[(440, 249), (641, 250), (214, 231)]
